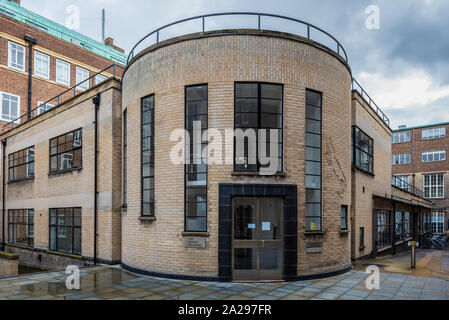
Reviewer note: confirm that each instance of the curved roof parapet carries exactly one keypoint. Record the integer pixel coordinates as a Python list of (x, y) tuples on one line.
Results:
[(310, 31)]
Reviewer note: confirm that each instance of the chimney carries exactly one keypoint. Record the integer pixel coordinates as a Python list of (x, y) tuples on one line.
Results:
[(110, 42)]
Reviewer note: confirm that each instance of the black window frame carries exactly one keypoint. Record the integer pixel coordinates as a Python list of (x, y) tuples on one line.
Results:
[(12, 165), (384, 238), (344, 218), (204, 127), (356, 148), (259, 98), (362, 238), (309, 105), (151, 162), (125, 159), (398, 236), (57, 154), (72, 227), (13, 220)]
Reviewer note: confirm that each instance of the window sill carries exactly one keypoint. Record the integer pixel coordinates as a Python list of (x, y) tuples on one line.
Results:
[(363, 170), (257, 174), (195, 234), (64, 171), (147, 218), (313, 233), (344, 231), (63, 254), (362, 248), (20, 180), (19, 246)]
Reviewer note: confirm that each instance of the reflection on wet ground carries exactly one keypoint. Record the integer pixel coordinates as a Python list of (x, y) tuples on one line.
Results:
[(106, 282)]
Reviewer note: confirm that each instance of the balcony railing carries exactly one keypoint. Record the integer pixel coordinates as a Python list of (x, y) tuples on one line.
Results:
[(404, 185), (357, 87), (309, 31), (60, 98)]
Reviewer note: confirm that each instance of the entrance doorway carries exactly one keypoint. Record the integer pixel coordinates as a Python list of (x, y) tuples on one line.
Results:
[(257, 238)]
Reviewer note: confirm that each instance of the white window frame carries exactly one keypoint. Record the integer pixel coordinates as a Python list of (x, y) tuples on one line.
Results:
[(401, 137), (432, 190), (433, 133), (438, 223), (18, 108), (99, 78), (398, 159), (426, 156), (39, 60), (11, 54), (59, 78), (43, 108), (85, 85)]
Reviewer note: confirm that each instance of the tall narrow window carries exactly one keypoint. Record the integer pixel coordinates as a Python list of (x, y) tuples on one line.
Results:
[(21, 164), (258, 111), (313, 160), (16, 56), (10, 105), (363, 150), (384, 234), (125, 157), (62, 72), (21, 227), (344, 217), (148, 156), (41, 65), (434, 186), (398, 225), (196, 117), (362, 238), (65, 230), (81, 78), (407, 225)]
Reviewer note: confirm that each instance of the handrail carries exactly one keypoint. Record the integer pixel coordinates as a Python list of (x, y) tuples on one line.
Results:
[(35, 112), (356, 86), (402, 184), (259, 27)]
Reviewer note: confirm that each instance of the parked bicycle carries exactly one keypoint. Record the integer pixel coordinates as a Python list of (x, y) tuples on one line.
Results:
[(433, 241)]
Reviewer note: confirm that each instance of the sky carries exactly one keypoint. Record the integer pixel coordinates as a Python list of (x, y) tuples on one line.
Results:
[(403, 62)]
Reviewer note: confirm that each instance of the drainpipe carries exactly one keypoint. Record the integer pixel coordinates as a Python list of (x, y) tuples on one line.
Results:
[(96, 102), (3, 192), (31, 43), (413, 154)]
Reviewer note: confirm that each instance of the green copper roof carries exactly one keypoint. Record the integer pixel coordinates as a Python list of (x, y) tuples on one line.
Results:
[(15, 11), (420, 127)]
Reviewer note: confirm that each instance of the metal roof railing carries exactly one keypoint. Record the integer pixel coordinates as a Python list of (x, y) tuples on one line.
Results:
[(357, 87), (205, 18), (404, 185), (60, 98)]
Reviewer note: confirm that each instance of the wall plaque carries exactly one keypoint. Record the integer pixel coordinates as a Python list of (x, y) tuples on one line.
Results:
[(195, 242)]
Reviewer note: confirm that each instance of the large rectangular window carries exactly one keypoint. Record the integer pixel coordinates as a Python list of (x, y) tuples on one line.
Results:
[(384, 234), (21, 164), (400, 159), (41, 65), (400, 137), (63, 72), (66, 152), (434, 185), (21, 227), (16, 56), (313, 160), (125, 157), (10, 106), (257, 111), (438, 222), (65, 230), (398, 219), (196, 117), (434, 156), (407, 225), (81, 78), (147, 156), (434, 133), (363, 150)]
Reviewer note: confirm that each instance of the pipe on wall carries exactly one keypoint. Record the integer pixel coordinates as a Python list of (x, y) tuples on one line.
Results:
[(31, 43), (96, 101), (4, 141)]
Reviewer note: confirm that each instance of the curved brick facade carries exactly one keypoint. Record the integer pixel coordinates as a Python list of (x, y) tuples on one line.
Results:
[(220, 61)]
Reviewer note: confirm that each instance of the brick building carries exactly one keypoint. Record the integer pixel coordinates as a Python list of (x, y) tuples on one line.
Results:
[(40, 59), (328, 201), (419, 159)]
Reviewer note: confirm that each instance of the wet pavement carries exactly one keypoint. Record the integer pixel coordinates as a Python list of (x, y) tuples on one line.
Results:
[(106, 282)]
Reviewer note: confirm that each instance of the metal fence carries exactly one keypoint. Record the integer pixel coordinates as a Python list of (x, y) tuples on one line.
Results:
[(338, 48), (399, 183), (60, 98)]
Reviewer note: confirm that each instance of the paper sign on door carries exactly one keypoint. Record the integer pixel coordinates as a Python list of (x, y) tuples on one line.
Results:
[(266, 226)]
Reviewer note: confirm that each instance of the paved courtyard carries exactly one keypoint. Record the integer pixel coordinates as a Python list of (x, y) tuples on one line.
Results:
[(105, 282)]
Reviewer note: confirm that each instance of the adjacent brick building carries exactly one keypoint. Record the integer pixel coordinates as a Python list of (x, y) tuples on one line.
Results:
[(419, 158), (328, 201), (60, 59)]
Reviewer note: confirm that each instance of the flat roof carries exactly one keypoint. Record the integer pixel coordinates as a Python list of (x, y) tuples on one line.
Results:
[(17, 12), (424, 126)]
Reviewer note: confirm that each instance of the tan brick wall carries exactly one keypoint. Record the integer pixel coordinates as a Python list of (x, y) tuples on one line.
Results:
[(219, 62), (75, 188), (364, 185)]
